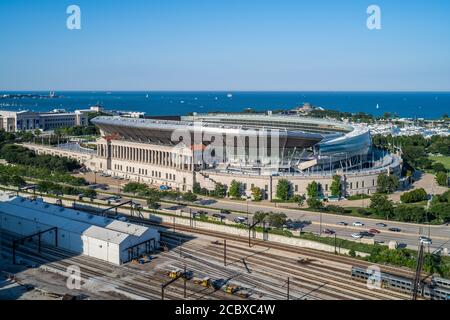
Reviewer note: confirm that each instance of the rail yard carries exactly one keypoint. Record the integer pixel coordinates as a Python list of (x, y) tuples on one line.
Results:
[(262, 271)]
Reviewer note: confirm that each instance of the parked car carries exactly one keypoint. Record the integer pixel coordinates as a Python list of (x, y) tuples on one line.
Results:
[(374, 231), (395, 229), (358, 224), (381, 224), (164, 188), (342, 223)]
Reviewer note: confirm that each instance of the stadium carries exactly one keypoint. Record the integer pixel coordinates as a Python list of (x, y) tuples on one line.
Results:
[(256, 149)]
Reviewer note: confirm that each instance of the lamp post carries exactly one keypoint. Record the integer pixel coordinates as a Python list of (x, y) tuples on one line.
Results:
[(246, 200)]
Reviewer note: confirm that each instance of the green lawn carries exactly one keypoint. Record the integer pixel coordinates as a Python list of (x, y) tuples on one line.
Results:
[(445, 160)]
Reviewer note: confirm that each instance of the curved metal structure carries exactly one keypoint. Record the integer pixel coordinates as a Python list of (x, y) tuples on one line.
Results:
[(297, 143)]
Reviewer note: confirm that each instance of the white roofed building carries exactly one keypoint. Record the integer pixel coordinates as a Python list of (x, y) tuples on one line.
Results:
[(80, 232)]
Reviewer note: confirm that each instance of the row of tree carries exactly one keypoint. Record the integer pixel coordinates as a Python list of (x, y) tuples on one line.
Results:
[(439, 210), (49, 187), (16, 154)]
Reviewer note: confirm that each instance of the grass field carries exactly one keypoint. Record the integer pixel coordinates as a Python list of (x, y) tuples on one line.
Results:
[(442, 159)]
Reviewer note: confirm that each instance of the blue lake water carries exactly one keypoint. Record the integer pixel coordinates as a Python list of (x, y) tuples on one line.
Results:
[(405, 104)]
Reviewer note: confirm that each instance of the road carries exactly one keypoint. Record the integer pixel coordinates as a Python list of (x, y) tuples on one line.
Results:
[(407, 237)]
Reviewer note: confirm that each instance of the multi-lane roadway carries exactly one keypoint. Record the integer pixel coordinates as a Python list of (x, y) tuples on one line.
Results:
[(318, 223)]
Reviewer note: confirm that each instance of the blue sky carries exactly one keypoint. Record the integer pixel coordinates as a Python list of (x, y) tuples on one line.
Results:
[(273, 45)]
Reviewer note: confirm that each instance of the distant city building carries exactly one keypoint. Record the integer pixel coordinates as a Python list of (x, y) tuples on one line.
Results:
[(305, 109), (13, 121)]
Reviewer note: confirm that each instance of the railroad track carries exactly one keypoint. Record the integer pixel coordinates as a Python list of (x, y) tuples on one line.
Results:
[(98, 271), (323, 255), (311, 277)]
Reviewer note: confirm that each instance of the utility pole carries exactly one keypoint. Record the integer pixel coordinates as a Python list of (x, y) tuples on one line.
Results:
[(185, 279), (335, 241), (288, 293), (320, 228), (416, 280), (180, 245)]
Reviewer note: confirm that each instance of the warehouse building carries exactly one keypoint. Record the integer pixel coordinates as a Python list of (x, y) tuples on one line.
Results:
[(99, 237)]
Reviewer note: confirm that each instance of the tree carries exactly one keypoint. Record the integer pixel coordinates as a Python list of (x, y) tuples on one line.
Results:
[(259, 216), (283, 189), (416, 195), (411, 213), (235, 189), (313, 190), (189, 197), (387, 184), (196, 188), (152, 202), (17, 181), (442, 179), (336, 186), (314, 203), (219, 191), (89, 193), (439, 167), (382, 205), (134, 187), (299, 199), (276, 220), (256, 194)]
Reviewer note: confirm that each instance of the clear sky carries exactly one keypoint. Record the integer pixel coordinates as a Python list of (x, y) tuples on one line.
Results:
[(272, 45)]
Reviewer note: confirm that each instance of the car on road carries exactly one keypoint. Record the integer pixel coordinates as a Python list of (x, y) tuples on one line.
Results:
[(366, 234), (218, 216), (225, 211), (374, 231), (342, 223), (425, 240), (239, 220), (381, 224), (395, 229), (357, 235), (358, 224), (329, 231), (201, 212)]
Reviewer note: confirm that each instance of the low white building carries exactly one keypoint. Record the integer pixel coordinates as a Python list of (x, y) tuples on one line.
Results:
[(13, 121), (80, 232)]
